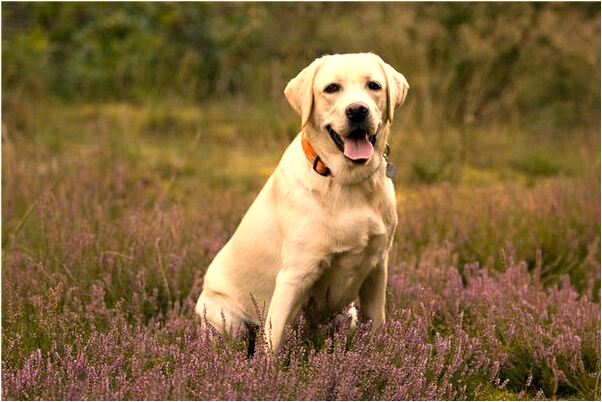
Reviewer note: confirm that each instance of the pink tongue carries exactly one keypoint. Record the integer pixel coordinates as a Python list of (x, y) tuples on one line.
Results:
[(357, 148)]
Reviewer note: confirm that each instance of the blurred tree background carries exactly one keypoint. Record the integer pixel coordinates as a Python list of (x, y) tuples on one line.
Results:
[(534, 65)]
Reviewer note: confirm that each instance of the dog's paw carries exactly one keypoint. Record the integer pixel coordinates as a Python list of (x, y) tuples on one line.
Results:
[(353, 314)]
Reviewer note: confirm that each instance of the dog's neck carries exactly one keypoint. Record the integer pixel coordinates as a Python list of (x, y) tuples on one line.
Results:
[(314, 159)]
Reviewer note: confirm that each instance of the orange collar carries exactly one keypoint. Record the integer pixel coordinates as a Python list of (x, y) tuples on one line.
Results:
[(313, 158)]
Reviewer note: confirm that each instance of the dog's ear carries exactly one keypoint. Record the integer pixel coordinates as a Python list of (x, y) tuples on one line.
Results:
[(397, 88), (299, 91)]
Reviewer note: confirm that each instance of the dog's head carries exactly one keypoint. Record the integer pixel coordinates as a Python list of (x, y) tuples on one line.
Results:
[(347, 103)]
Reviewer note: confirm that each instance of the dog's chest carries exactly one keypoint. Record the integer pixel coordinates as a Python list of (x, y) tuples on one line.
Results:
[(353, 228), (360, 238)]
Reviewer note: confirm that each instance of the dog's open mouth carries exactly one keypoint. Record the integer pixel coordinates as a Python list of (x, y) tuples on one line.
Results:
[(358, 146)]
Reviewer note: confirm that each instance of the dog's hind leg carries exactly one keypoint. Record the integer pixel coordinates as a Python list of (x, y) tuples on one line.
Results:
[(216, 312)]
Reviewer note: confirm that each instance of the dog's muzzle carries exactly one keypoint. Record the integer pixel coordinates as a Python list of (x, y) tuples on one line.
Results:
[(357, 146)]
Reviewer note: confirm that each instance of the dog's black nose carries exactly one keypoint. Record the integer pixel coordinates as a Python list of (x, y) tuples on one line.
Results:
[(357, 112)]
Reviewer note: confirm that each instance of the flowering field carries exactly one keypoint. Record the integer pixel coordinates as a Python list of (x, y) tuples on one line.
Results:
[(111, 213)]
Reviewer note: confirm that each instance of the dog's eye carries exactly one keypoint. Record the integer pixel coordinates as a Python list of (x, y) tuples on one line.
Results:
[(332, 88), (375, 86)]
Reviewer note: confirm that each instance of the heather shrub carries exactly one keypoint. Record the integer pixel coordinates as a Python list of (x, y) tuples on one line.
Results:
[(443, 340), (109, 221), (519, 225), (548, 337)]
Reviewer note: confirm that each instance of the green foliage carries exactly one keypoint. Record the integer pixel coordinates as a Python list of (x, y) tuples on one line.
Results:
[(467, 64)]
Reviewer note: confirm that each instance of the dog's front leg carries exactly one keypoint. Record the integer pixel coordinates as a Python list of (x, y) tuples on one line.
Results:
[(373, 294), (292, 286)]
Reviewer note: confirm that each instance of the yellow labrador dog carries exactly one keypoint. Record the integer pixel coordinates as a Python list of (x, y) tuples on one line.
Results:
[(317, 236)]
